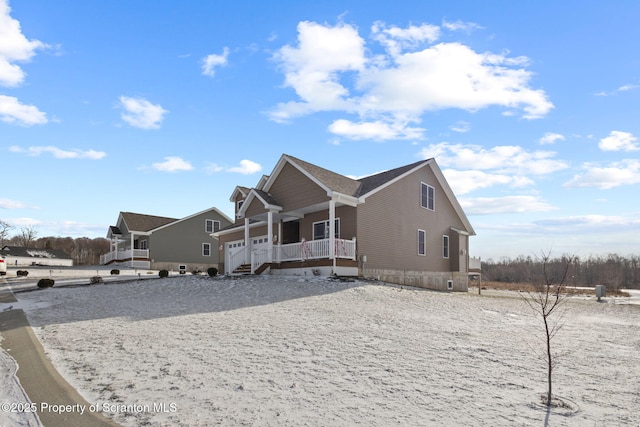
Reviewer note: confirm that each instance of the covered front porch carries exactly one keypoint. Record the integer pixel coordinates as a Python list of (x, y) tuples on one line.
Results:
[(131, 252), (307, 239), (260, 257)]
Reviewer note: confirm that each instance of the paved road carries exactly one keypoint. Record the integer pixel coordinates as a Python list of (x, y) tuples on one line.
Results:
[(40, 380)]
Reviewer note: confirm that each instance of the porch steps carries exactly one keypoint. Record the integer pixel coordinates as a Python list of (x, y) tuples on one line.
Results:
[(246, 269), (243, 269)]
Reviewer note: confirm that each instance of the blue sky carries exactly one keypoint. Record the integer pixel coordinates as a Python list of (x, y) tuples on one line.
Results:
[(530, 108)]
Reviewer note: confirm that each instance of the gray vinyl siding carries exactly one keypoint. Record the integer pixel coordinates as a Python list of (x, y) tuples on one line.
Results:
[(294, 190), (181, 242), (389, 220)]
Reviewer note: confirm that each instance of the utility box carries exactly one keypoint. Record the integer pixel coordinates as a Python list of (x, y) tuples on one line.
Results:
[(601, 291), (182, 269)]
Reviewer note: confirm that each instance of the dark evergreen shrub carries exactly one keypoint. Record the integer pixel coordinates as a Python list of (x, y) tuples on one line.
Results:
[(96, 279), (115, 272), (22, 273), (212, 271), (45, 283), (163, 273)]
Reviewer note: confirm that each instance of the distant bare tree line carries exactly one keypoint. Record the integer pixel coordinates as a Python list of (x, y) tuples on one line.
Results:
[(613, 271), (83, 250)]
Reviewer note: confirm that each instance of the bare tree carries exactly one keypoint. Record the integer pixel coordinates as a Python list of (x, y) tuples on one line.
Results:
[(546, 301), (4, 232), (27, 236)]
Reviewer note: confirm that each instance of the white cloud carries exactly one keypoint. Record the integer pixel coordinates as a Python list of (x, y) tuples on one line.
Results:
[(172, 164), (312, 68), (452, 75), (213, 168), (502, 159), (551, 138), (619, 141), (376, 130), (11, 204), (14, 47), (625, 172), (502, 205), (14, 112), (461, 126), (463, 182), (213, 61), (460, 26), (623, 88), (396, 39), (331, 69), (59, 153), (246, 167), (141, 113)]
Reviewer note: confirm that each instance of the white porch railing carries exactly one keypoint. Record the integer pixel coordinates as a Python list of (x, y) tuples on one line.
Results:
[(299, 251), (314, 249), (235, 258), (124, 256)]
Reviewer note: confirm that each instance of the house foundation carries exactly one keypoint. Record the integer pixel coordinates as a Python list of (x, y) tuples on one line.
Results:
[(438, 281)]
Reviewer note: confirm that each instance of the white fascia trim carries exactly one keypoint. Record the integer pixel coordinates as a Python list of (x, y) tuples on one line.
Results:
[(345, 199), (252, 195), (457, 230), (236, 229)]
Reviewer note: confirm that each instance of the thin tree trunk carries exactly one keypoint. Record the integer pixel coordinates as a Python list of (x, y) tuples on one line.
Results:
[(549, 360)]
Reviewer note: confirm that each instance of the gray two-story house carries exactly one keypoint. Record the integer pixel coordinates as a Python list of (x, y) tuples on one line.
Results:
[(155, 242)]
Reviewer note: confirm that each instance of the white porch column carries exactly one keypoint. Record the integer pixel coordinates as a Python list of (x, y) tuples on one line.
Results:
[(247, 242), (270, 236), (131, 249), (332, 231)]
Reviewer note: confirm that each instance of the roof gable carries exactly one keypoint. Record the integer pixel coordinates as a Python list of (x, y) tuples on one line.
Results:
[(327, 180)]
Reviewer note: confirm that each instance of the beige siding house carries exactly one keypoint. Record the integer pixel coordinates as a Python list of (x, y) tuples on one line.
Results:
[(403, 226), (155, 242)]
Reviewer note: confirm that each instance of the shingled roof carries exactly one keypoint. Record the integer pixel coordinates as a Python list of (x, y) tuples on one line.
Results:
[(141, 222), (19, 251), (352, 187)]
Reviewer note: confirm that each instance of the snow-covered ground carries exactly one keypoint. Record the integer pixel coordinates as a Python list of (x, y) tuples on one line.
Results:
[(309, 351)]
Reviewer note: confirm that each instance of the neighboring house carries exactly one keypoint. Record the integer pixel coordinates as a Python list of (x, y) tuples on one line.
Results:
[(154, 242), (403, 226), (16, 256)]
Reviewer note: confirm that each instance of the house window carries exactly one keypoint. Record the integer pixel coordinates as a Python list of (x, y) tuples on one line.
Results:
[(422, 242), (211, 225), (445, 246), (427, 196), (143, 245), (206, 249), (321, 229)]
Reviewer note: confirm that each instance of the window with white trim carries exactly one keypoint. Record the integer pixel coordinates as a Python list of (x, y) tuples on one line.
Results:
[(445, 246), (206, 249), (427, 196), (321, 229), (422, 242), (143, 244), (211, 225)]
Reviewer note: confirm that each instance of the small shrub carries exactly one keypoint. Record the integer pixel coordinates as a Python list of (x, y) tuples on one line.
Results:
[(212, 271), (96, 279), (45, 283), (196, 272), (115, 272), (163, 273), (22, 273)]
